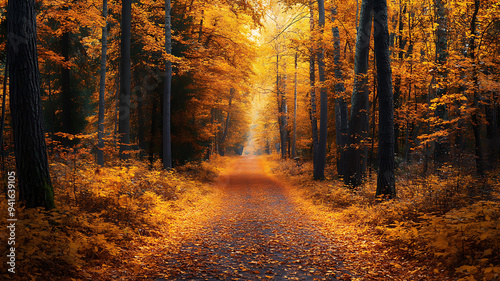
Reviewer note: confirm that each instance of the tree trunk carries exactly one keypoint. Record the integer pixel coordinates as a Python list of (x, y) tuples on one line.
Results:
[(312, 79), (374, 124), (141, 121), (153, 133), (124, 118), (167, 144), (68, 109), (35, 187), (294, 139), (280, 107), (441, 145), (222, 146), (102, 87), (284, 120), (319, 168), (476, 123), (397, 85), (410, 87), (385, 181), (358, 123), (117, 110), (341, 111)]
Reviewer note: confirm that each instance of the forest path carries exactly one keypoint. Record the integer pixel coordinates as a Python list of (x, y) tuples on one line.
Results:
[(258, 234)]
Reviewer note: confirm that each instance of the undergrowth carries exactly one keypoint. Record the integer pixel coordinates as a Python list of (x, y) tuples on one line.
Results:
[(108, 219), (450, 219)]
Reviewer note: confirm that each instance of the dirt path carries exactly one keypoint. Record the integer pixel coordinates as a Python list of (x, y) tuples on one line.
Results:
[(258, 234)]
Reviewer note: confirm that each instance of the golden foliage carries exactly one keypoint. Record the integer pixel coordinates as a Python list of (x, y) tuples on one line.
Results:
[(109, 218), (439, 226)]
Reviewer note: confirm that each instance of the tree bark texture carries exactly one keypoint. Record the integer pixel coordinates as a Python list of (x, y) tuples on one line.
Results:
[(222, 146), (35, 187), (341, 110), (319, 168), (476, 122), (167, 91), (125, 81), (441, 145), (294, 138), (102, 88), (312, 79), (385, 181), (358, 122)]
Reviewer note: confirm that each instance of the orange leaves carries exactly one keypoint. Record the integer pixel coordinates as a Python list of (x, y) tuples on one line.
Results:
[(432, 221), (103, 219)]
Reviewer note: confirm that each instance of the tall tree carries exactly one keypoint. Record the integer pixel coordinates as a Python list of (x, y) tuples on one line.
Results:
[(222, 141), (358, 122), (319, 168), (102, 87), (476, 123), (35, 187), (341, 111), (125, 80), (312, 79), (441, 144), (68, 106), (294, 137), (167, 91), (385, 180), (397, 85)]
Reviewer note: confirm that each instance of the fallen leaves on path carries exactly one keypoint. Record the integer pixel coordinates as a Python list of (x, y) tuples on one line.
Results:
[(257, 233)]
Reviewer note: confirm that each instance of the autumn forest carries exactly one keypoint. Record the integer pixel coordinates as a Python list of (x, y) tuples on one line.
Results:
[(250, 139)]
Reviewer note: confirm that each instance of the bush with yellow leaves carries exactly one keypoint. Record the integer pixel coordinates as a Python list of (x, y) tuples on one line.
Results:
[(105, 216), (450, 218)]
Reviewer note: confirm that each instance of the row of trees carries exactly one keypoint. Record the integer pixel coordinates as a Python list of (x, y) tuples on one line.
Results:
[(164, 80), (438, 103), (442, 96)]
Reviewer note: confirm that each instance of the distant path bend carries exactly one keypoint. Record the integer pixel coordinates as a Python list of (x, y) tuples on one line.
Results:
[(258, 234)]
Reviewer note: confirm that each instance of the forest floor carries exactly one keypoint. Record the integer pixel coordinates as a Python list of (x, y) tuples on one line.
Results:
[(258, 233), (264, 228), (251, 218)]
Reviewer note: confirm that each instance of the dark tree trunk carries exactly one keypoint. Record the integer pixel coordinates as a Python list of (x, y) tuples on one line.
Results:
[(68, 107), (280, 107), (35, 187), (102, 88), (282, 117), (312, 79), (341, 111), (410, 86), (319, 168), (141, 121), (124, 116), (294, 138), (476, 123), (385, 181), (152, 140), (358, 123), (284, 121), (397, 85), (167, 142), (441, 145), (117, 110), (222, 146), (374, 124)]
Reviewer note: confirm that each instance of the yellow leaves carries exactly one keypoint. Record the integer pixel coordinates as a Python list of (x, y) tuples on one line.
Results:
[(468, 269)]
